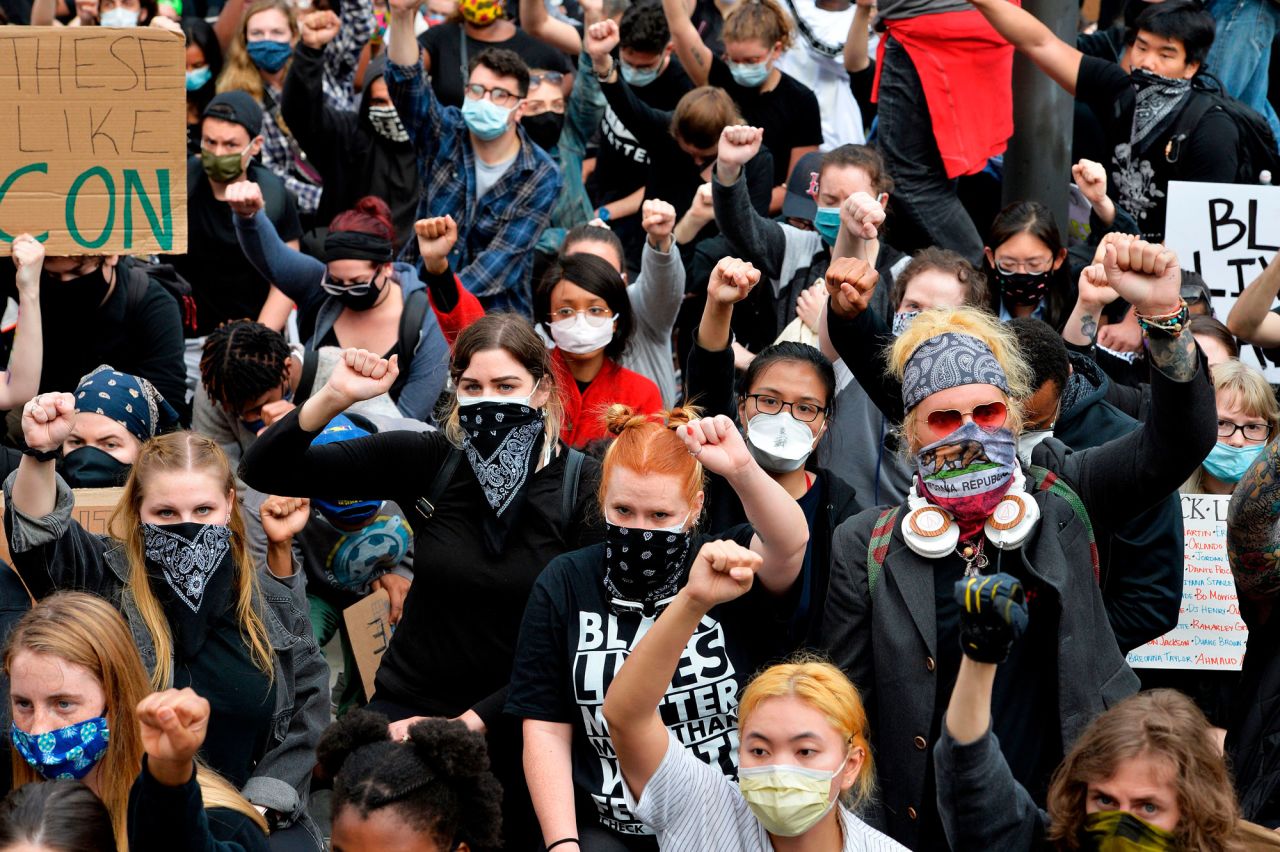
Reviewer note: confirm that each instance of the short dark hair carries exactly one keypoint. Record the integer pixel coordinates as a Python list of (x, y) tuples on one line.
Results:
[(241, 361), (950, 262), (789, 350), (1043, 350), (644, 28), (598, 277), (1208, 326), (503, 62), (59, 814), (1183, 20), (586, 233), (863, 157)]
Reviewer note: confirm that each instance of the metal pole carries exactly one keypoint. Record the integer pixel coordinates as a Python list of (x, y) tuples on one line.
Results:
[(1037, 166)]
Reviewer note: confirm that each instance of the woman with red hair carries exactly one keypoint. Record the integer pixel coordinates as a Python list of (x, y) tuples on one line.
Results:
[(590, 607), (359, 297)]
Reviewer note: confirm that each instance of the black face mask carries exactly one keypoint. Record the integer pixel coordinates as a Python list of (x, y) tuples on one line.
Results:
[(90, 467), (86, 290), (544, 128), (1021, 289), (502, 442), (191, 569), (362, 301), (643, 567)]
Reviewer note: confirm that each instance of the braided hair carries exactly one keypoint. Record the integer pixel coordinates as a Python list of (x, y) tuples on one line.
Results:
[(242, 360), (439, 780)]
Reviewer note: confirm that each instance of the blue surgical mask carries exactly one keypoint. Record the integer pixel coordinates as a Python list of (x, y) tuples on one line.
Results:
[(827, 223), (270, 56), (69, 752), (750, 75), (119, 17), (485, 118), (639, 77), (1228, 464), (198, 79)]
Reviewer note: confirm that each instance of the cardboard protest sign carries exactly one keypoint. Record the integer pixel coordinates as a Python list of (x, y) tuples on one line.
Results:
[(1228, 233), (1210, 634), (93, 508), (369, 628), (93, 139)]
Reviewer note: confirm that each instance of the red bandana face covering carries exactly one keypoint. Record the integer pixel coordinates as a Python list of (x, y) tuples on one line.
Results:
[(967, 473)]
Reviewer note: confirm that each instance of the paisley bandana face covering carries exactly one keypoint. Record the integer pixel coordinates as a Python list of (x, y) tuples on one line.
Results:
[(644, 567)]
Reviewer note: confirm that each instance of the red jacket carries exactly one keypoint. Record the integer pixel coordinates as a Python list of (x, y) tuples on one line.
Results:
[(584, 412), (467, 311)]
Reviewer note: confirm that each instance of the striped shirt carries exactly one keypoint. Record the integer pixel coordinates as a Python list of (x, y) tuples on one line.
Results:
[(694, 808)]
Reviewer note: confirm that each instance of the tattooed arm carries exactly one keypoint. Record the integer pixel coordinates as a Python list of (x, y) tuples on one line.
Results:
[(1253, 536)]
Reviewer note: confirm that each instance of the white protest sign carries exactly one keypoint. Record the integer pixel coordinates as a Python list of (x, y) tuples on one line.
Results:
[(1210, 635), (1228, 233)]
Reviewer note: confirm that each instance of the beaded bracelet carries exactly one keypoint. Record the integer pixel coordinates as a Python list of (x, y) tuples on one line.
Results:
[(1165, 325)]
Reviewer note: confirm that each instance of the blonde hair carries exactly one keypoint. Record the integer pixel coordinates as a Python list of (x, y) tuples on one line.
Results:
[(189, 452), (758, 20), (826, 689), (648, 444), (239, 74), (973, 322), (87, 631), (1249, 390)]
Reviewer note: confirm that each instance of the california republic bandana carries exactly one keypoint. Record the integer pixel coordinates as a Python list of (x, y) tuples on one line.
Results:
[(967, 473)]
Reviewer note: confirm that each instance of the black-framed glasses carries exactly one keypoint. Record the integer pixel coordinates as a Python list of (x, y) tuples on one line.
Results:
[(805, 412), (498, 95), (338, 287), (536, 78), (1255, 432)]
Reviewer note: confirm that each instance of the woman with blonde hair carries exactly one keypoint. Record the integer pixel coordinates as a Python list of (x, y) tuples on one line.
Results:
[(590, 607), (1247, 419), (496, 495), (201, 614), (76, 683), (973, 505), (804, 762)]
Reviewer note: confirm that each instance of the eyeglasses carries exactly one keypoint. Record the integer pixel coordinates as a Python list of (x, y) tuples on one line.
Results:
[(338, 287), (555, 78), (805, 412), (1032, 267), (990, 416), (498, 95), (532, 108), (596, 315), (1255, 432)]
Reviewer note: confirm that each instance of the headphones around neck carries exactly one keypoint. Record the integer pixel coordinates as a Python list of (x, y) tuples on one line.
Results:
[(932, 532)]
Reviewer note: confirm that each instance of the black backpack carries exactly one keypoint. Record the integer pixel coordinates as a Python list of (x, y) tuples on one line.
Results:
[(140, 277), (1257, 155)]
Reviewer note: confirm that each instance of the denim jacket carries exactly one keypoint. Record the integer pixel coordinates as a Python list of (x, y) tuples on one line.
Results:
[(55, 553)]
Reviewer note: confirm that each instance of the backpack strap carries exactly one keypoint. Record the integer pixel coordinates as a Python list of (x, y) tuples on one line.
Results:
[(1046, 480), (410, 337), (878, 545), (569, 490), (136, 286), (306, 382), (426, 506)]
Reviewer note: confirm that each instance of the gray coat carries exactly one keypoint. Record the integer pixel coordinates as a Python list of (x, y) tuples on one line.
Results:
[(887, 646), (55, 553)]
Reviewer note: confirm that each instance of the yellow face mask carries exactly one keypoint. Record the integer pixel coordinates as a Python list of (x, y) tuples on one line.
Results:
[(481, 13), (1121, 831), (788, 800)]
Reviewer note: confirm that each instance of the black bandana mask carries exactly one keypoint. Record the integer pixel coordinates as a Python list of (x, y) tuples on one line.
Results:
[(191, 571), (90, 467), (544, 128), (644, 567), (502, 441), (1022, 289)]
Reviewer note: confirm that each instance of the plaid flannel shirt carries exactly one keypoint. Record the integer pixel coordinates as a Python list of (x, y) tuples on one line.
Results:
[(496, 234)]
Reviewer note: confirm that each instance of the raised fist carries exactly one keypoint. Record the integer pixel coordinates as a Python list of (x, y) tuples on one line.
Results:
[(245, 198)]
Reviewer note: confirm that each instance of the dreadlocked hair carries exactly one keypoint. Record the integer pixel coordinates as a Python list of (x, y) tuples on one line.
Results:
[(241, 361), (439, 780)]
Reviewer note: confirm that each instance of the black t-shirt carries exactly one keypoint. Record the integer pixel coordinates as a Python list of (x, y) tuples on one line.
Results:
[(1138, 181), (709, 23), (788, 114), (572, 644), (223, 281), (444, 47), (622, 162)]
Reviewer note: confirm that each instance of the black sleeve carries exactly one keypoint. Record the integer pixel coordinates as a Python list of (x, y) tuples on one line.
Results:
[(650, 126), (74, 559), (1210, 155), (173, 819), (758, 238), (1099, 82), (541, 669), (1130, 474), (156, 329), (1142, 582), (321, 131), (443, 289), (759, 176), (388, 465), (709, 380), (861, 343), (862, 83)]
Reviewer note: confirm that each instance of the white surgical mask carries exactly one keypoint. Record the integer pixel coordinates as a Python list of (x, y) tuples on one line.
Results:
[(578, 337), (787, 800), (119, 17), (778, 442), (526, 401), (1028, 441)]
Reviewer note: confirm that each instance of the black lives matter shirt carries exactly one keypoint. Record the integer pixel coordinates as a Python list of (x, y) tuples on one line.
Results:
[(623, 162), (572, 644), (1138, 181)]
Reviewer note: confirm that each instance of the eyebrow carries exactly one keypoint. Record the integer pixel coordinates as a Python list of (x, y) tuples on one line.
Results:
[(498, 379), (767, 391)]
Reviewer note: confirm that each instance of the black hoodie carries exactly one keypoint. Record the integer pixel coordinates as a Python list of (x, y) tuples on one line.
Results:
[(353, 158)]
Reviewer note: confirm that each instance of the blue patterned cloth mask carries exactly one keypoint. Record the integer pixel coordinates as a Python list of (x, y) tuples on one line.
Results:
[(68, 752)]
